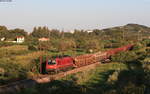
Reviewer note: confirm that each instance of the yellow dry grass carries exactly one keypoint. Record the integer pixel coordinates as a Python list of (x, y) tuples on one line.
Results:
[(28, 58), (15, 48)]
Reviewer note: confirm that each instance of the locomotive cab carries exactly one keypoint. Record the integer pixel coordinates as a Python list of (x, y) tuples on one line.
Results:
[(51, 65)]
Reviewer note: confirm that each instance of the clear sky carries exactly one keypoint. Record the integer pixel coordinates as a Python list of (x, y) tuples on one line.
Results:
[(71, 14)]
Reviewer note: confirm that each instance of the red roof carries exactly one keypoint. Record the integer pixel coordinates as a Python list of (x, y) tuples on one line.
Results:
[(19, 37), (43, 39)]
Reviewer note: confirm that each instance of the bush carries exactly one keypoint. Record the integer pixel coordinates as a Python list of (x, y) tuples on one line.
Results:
[(148, 50), (11, 70), (146, 67), (5, 44), (66, 44), (124, 57), (137, 46), (93, 44), (146, 63), (146, 42), (113, 78), (32, 48)]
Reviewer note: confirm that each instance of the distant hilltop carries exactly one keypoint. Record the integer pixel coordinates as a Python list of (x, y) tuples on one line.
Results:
[(130, 27)]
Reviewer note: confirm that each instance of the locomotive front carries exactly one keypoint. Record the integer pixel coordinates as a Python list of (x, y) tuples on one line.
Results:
[(51, 65)]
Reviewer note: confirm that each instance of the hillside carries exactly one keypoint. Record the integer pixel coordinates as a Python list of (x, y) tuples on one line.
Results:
[(129, 27)]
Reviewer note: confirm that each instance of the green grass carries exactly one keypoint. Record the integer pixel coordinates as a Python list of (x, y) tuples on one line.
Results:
[(13, 50), (95, 75), (96, 81), (89, 82), (15, 61)]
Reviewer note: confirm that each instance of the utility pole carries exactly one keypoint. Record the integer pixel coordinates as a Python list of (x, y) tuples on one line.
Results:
[(41, 61), (139, 35), (123, 34), (49, 33), (62, 32)]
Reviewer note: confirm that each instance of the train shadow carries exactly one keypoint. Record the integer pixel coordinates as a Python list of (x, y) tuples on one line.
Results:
[(128, 82), (71, 86)]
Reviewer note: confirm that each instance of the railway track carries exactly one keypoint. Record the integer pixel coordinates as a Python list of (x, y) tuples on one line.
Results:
[(28, 83)]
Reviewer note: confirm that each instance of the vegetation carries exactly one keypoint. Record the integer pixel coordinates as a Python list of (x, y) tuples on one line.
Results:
[(130, 74), (112, 78), (124, 57)]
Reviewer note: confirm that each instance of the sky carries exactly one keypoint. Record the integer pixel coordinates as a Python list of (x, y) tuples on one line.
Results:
[(73, 14)]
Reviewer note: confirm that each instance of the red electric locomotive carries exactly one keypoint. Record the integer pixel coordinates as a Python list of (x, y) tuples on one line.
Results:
[(59, 64)]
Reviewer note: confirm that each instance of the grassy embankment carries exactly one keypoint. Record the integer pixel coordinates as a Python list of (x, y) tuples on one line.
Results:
[(18, 62), (91, 81), (15, 62)]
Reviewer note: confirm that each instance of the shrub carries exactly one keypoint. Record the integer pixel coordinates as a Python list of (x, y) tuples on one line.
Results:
[(32, 48), (148, 50), (5, 44), (146, 42), (146, 67), (12, 70), (114, 77), (124, 57), (138, 46), (66, 44)]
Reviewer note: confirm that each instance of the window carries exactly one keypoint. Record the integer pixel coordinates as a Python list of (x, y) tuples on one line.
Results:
[(51, 62)]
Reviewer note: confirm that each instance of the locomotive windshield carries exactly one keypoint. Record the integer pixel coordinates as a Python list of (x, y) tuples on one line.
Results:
[(51, 62)]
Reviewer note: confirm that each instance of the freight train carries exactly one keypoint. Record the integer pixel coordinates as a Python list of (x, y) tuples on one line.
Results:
[(60, 64)]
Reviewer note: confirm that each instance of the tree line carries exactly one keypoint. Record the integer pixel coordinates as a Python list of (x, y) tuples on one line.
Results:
[(78, 40)]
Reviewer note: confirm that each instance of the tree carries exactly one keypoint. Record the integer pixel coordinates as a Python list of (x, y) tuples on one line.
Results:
[(66, 44), (3, 31), (12, 34), (17, 32), (3, 28), (54, 33), (45, 45), (92, 44), (40, 32)]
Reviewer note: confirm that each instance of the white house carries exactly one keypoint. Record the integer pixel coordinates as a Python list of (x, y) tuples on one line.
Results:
[(20, 39)]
